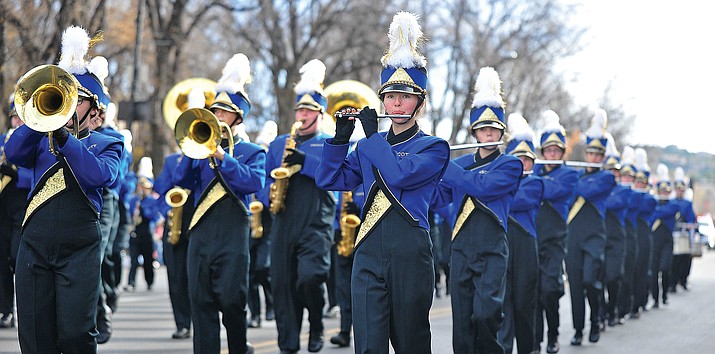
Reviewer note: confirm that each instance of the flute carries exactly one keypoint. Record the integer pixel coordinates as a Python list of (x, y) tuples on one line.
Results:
[(474, 145), (569, 163)]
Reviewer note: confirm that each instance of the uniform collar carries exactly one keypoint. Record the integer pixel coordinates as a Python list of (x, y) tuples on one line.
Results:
[(393, 139), (299, 139), (480, 161)]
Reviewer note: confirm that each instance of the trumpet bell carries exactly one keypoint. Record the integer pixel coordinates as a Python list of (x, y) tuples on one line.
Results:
[(198, 133), (350, 94), (177, 99), (46, 98)]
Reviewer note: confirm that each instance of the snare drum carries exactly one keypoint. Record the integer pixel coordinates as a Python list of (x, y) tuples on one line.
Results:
[(681, 242)]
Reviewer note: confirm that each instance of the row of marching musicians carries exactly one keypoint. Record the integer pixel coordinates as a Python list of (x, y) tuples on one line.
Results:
[(498, 265)]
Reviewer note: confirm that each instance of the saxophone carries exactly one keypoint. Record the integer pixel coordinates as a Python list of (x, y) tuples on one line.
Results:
[(256, 208), (279, 188), (348, 224), (176, 198)]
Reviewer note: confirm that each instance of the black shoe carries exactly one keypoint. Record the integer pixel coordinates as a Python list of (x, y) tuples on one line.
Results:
[(594, 335), (130, 288), (104, 336), (577, 338), (270, 315), (685, 287), (665, 301), (7, 321), (181, 333), (249, 348), (635, 315), (552, 346), (342, 339), (315, 342), (254, 322), (655, 305), (612, 321), (671, 289)]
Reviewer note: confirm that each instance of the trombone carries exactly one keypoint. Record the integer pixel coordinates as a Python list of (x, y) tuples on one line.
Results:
[(198, 133), (46, 98), (474, 145)]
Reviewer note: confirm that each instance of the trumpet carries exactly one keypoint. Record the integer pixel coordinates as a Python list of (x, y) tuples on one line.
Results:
[(569, 163), (474, 145), (379, 116), (175, 198), (46, 98), (198, 133)]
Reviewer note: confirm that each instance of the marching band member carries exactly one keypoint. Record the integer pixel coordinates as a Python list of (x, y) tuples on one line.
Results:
[(393, 271), (559, 183), (586, 243), (682, 262), (627, 178), (664, 217), (175, 253), (522, 277), (616, 210), (646, 207), (65, 202), (260, 247), (217, 259), (302, 232), (483, 186), (126, 191), (16, 183), (145, 214)]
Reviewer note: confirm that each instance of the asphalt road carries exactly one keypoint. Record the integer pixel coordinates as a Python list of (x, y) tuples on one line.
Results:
[(144, 323)]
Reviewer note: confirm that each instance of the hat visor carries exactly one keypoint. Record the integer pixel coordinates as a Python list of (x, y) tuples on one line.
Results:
[(528, 154), (615, 166), (596, 150), (401, 88), (553, 143), (488, 123), (223, 106), (312, 107)]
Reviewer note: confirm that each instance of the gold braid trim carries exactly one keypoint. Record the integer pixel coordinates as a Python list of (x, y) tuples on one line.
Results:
[(53, 186), (378, 208), (214, 195), (467, 210), (577, 205)]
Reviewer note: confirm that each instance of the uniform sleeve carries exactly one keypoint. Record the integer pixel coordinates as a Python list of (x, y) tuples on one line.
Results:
[(560, 188), (489, 186), (97, 171), (244, 177), (618, 199), (443, 194), (528, 196), (599, 187), (164, 181), (408, 172), (310, 166), (186, 173), (21, 148), (336, 172)]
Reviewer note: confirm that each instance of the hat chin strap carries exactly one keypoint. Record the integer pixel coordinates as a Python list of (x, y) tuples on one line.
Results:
[(420, 100)]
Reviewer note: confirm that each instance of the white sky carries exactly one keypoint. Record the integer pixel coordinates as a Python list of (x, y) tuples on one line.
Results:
[(660, 57)]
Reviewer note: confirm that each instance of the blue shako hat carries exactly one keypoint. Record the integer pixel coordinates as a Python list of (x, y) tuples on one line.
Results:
[(553, 132), (596, 140), (679, 179), (75, 45), (613, 157), (521, 137), (663, 184), (641, 164), (230, 91), (404, 68), (488, 105), (627, 161), (309, 90)]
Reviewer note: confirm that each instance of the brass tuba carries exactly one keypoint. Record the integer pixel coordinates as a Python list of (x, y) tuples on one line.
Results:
[(198, 133), (282, 174), (177, 99), (175, 198), (46, 98), (348, 225)]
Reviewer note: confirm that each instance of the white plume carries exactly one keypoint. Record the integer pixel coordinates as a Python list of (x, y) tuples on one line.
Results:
[(679, 174), (688, 194), (628, 155), (99, 67), (518, 128), (196, 98), (405, 35), (236, 74), (268, 133), (662, 172), (552, 123), (110, 115), (312, 75), (611, 149), (487, 89), (127, 139), (241, 132), (641, 160), (145, 168), (75, 45), (599, 122)]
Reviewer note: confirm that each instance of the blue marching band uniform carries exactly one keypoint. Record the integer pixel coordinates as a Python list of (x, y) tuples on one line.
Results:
[(500, 225)]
